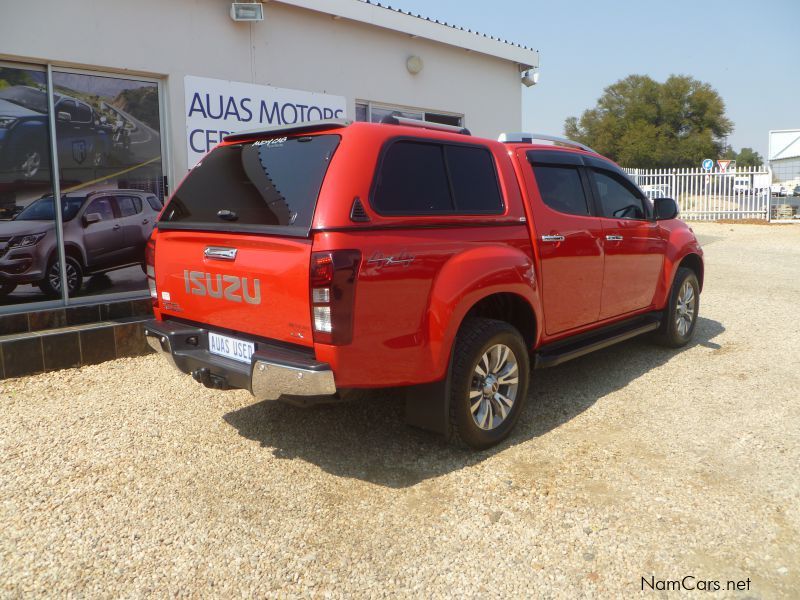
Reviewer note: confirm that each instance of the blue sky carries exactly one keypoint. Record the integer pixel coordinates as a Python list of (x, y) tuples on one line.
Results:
[(748, 51)]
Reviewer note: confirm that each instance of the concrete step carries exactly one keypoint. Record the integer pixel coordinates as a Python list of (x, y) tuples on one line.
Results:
[(65, 344)]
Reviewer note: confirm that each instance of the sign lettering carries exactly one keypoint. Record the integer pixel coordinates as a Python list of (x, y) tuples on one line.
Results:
[(215, 108)]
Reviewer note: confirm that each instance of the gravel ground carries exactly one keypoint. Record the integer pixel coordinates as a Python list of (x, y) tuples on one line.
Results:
[(128, 479)]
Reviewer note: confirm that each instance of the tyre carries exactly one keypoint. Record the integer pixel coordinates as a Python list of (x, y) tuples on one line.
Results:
[(51, 284), (489, 377), (680, 315), (6, 289)]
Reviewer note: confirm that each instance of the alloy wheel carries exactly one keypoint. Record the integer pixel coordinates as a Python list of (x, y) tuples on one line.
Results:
[(54, 276), (685, 308), (493, 389)]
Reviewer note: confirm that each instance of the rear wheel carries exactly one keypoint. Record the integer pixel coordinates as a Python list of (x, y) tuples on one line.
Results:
[(680, 315), (51, 284), (488, 382)]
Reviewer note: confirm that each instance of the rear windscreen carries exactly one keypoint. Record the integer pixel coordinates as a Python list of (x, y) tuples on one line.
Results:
[(254, 186)]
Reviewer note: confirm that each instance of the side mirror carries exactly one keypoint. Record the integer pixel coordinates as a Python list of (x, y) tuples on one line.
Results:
[(64, 116), (665, 209), (90, 218)]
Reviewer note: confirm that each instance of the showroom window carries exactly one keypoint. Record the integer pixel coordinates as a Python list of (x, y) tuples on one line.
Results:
[(374, 113), (107, 145)]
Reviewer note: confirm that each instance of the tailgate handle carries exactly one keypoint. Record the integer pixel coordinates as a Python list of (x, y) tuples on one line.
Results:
[(220, 253)]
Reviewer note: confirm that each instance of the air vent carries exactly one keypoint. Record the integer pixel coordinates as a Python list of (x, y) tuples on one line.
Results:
[(357, 212)]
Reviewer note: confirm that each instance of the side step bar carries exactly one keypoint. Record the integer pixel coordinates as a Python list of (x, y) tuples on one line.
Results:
[(561, 351)]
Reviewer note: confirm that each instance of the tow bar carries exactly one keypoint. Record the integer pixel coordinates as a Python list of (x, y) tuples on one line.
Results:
[(208, 379)]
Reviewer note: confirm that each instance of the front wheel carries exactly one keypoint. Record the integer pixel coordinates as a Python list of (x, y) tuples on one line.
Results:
[(488, 382), (6, 289), (51, 284), (680, 315)]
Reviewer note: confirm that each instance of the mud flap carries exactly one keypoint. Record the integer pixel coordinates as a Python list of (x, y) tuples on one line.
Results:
[(428, 407)]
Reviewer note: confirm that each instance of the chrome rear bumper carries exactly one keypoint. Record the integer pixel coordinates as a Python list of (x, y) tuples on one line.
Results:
[(274, 371)]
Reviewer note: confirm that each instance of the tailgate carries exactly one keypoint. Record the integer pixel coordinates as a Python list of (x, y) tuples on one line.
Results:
[(253, 284)]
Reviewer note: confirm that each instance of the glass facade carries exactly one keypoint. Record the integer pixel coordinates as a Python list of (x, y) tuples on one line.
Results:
[(110, 175)]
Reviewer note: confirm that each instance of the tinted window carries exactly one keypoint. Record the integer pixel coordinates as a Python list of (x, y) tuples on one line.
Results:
[(83, 113), (42, 209), (617, 197), (474, 180), (125, 206), (270, 182), (561, 189), (101, 206), (69, 107), (154, 203), (413, 180)]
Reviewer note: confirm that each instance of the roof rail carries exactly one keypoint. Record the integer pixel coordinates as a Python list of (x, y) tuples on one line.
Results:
[(528, 138), (304, 127), (392, 120)]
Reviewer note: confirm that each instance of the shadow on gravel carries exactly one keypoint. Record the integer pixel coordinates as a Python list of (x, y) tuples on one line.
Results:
[(367, 439)]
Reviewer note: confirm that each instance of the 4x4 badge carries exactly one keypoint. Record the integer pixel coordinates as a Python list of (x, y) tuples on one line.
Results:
[(379, 261)]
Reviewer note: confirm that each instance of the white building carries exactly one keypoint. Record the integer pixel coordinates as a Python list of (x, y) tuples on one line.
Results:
[(784, 156), (140, 89)]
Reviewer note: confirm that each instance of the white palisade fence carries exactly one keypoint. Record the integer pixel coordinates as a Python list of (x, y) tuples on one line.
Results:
[(710, 195)]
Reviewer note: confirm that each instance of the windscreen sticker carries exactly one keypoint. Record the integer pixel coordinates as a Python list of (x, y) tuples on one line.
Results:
[(274, 142)]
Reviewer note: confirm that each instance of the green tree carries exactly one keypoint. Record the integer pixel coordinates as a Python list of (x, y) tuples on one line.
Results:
[(639, 122), (747, 157)]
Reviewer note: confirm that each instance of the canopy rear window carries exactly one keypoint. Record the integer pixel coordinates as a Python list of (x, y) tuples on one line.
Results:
[(268, 186)]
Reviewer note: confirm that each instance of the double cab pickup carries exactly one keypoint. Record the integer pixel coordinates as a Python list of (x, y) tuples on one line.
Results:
[(314, 259)]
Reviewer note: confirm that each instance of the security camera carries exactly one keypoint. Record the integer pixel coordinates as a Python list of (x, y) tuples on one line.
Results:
[(530, 79)]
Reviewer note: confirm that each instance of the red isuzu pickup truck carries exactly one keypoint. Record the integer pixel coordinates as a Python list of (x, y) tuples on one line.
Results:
[(314, 259)]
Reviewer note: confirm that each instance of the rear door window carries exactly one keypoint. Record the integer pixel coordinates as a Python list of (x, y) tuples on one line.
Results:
[(128, 206), (255, 186), (561, 188)]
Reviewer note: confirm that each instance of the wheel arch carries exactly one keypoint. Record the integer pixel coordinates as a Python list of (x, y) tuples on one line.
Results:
[(506, 289), (695, 263), (72, 250), (510, 308)]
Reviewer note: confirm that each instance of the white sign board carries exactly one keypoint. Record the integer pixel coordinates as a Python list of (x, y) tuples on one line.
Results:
[(216, 107)]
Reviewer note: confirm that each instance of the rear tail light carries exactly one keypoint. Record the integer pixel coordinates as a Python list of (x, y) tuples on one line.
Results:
[(150, 269), (333, 278)]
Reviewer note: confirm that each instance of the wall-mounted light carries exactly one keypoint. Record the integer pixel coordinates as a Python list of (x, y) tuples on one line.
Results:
[(247, 11), (530, 77), (414, 64)]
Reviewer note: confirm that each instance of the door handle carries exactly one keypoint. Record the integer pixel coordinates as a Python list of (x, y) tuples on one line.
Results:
[(614, 238), (553, 238), (145, 222), (116, 227)]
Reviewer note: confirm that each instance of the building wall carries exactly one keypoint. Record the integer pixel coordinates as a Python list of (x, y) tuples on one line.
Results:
[(786, 170), (292, 48)]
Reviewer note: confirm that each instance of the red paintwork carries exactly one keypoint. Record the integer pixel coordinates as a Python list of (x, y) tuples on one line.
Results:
[(406, 316)]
